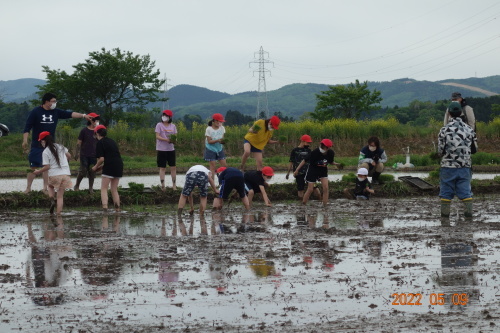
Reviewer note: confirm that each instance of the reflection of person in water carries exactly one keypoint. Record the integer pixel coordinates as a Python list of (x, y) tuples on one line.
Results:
[(104, 259), (46, 269)]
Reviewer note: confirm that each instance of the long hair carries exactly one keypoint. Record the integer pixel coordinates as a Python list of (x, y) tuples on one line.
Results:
[(49, 143)]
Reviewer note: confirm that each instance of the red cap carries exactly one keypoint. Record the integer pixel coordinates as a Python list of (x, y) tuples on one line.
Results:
[(218, 117), (42, 135), (168, 113), (219, 170), (93, 115), (327, 142), (306, 138), (275, 122), (98, 128), (267, 171)]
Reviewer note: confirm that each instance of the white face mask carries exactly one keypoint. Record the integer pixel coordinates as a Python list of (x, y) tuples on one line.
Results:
[(96, 123), (322, 150), (165, 118), (53, 106), (270, 127), (361, 178), (372, 148)]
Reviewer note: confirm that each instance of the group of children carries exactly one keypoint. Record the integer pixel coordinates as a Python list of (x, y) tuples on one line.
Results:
[(96, 151)]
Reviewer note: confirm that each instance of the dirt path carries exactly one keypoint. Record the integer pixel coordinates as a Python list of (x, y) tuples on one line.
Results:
[(459, 85)]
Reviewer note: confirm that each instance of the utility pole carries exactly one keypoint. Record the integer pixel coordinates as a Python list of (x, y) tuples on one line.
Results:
[(165, 92), (262, 104)]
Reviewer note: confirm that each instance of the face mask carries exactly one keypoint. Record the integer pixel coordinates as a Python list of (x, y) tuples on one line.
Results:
[(270, 127), (96, 122), (53, 106), (165, 118), (322, 150), (361, 179), (372, 148)]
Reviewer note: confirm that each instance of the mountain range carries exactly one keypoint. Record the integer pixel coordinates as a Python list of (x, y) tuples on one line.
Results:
[(291, 100)]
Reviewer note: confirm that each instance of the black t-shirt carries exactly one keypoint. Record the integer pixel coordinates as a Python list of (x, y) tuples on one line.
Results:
[(319, 160), (360, 187), (254, 179), (113, 164), (297, 155)]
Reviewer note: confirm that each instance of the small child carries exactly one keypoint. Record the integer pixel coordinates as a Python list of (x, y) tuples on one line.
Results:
[(318, 169), (255, 182), (214, 140), (363, 187), (200, 176)]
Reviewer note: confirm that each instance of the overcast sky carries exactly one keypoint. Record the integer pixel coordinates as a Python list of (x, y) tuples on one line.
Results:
[(211, 43)]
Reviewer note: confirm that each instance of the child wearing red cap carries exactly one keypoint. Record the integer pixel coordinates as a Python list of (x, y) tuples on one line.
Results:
[(230, 179), (55, 160), (318, 169), (256, 181), (258, 136), (214, 140), (165, 147), (297, 155), (85, 150)]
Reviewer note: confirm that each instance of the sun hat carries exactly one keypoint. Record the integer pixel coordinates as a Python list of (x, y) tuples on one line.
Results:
[(327, 142), (42, 135), (267, 171), (218, 117), (275, 122), (306, 138), (363, 171)]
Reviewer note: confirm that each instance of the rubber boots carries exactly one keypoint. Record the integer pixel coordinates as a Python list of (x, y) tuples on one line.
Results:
[(375, 178), (445, 207), (468, 207)]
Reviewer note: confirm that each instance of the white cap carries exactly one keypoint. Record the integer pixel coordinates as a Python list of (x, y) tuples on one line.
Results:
[(363, 171)]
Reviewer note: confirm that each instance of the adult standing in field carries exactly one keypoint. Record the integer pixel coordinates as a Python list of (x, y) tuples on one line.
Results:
[(110, 161), (372, 157), (467, 113), (214, 140), (55, 161), (85, 150), (43, 118), (258, 136), (165, 150), (455, 142)]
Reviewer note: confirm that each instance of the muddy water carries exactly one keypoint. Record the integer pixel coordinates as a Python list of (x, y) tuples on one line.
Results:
[(290, 268), (19, 184)]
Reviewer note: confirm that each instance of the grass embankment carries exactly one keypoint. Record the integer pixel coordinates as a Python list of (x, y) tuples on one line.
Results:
[(138, 145)]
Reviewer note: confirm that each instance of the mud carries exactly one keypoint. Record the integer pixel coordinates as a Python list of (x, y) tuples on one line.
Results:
[(349, 267)]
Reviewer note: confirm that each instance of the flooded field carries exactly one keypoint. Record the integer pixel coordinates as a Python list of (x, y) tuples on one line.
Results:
[(379, 266)]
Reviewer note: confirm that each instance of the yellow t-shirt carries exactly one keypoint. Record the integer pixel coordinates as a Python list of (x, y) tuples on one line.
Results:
[(259, 140)]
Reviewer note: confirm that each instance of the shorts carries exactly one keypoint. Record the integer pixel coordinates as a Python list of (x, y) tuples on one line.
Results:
[(314, 175), (193, 179), (60, 182), (252, 148), (301, 182), (455, 181), (211, 155), (162, 157), (86, 164), (110, 177), (228, 185), (35, 157)]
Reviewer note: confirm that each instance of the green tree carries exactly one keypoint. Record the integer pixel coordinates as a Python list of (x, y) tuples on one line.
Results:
[(105, 83), (346, 101), (495, 111)]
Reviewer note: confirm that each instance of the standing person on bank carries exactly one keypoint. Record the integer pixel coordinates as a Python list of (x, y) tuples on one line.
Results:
[(214, 140), (165, 147), (372, 158), (85, 150), (43, 118), (55, 160), (110, 161), (258, 136), (456, 144), (297, 155)]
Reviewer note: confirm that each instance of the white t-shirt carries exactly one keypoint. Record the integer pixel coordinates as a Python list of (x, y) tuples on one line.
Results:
[(49, 159), (196, 168), (215, 134)]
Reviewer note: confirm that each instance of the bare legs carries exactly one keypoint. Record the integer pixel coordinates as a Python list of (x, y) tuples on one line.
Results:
[(162, 178), (173, 174), (311, 189), (31, 176), (213, 165), (113, 183)]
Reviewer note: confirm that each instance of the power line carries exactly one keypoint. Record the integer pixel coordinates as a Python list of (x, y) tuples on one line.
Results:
[(262, 103)]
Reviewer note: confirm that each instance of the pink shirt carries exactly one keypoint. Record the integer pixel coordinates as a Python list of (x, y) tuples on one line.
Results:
[(165, 132)]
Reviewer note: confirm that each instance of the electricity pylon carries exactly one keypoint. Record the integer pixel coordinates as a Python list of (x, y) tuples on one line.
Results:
[(262, 104)]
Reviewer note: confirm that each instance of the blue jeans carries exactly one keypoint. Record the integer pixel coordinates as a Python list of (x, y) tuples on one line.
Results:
[(455, 181)]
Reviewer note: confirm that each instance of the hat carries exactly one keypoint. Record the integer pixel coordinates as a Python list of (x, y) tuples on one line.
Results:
[(219, 170), (168, 113), (306, 138), (327, 142), (98, 128), (93, 115), (218, 117), (363, 171), (275, 122), (456, 95), (42, 135), (455, 109), (267, 171)]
